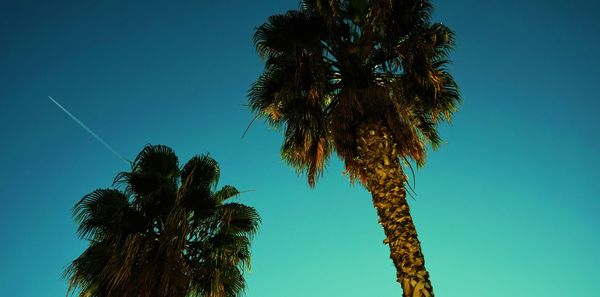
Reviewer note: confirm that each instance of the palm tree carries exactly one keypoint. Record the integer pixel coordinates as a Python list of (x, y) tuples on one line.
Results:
[(366, 79), (168, 232)]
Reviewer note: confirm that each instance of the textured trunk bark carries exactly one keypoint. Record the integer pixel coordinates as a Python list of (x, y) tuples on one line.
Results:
[(382, 174)]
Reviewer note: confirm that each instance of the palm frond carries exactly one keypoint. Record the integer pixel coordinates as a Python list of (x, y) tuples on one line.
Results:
[(239, 219), (306, 149), (392, 21), (289, 33), (157, 159), (200, 171), (100, 213), (226, 192), (265, 93)]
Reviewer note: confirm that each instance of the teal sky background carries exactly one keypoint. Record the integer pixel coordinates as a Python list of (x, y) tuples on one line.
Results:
[(508, 207)]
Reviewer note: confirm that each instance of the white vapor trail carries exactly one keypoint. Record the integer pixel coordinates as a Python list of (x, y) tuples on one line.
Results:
[(86, 128)]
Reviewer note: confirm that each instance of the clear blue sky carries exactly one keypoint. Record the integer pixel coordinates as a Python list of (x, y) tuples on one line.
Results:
[(508, 207)]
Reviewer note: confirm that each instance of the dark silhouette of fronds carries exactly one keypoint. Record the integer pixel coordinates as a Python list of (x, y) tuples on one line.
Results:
[(169, 232)]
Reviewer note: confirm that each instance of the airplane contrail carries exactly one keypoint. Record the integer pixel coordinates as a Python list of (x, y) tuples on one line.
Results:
[(86, 128)]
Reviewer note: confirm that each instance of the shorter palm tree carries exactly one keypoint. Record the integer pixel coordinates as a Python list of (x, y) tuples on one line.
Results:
[(168, 232)]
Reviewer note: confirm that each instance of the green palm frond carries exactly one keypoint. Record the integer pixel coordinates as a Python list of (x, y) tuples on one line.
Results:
[(226, 247), (226, 192), (153, 179), (219, 273), (157, 159), (226, 281), (237, 218), (289, 33), (86, 270), (101, 213), (404, 17), (264, 94), (201, 171), (306, 148), (290, 94), (199, 176)]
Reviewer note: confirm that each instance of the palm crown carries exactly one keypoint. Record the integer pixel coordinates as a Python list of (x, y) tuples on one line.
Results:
[(332, 66), (171, 232)]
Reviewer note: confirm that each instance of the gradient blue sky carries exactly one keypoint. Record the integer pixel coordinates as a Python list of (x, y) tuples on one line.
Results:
[(508, 207)]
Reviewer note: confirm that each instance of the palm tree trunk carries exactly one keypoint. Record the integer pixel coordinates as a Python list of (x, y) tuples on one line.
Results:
[(382, 174)]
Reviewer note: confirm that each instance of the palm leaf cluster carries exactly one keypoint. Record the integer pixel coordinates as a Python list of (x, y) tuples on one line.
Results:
[(169, 231), (332, 66)]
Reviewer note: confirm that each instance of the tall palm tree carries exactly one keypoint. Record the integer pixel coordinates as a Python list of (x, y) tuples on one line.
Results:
[(168, 232), (366, 79)]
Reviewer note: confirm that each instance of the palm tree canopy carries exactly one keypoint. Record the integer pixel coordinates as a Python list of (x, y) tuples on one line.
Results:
[(334, 65), (171, 232)]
